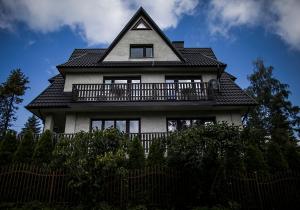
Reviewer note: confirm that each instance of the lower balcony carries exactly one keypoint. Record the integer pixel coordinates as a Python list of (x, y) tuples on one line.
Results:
[(146, 138), (192, 91)]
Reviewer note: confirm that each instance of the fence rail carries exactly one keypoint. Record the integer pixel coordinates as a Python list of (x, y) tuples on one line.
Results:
[(142, 92), (158, 186)]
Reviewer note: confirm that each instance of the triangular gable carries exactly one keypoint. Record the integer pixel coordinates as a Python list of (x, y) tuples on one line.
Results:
[(141, 16)]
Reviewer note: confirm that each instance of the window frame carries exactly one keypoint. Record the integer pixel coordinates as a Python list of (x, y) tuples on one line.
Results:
[(208, 118), (143, 46), (115, 122), (113, 78)]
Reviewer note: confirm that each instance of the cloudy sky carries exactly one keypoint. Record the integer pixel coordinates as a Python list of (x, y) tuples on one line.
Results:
[(37, 35)]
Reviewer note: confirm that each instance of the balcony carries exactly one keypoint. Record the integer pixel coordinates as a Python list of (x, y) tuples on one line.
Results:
[(144, 92), (146, 138)]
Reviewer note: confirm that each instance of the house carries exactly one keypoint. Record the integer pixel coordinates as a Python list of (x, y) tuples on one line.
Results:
[(141, 84)]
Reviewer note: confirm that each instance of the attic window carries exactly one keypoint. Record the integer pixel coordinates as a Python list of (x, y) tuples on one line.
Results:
[(141, 51), (141, 25)]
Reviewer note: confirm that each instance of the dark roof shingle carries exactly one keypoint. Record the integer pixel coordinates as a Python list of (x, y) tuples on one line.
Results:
[(192, 56)]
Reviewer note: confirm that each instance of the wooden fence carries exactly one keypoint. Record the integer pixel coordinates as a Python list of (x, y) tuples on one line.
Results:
[(156, 186)]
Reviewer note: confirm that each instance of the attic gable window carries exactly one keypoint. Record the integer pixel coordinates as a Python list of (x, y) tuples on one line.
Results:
[(141, 25), (141, 51)]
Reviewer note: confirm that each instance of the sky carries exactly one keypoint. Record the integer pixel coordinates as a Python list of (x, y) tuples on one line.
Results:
[(36, 36)]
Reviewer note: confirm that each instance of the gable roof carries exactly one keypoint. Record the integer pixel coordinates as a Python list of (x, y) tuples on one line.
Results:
[(141, 13), (55, 97)]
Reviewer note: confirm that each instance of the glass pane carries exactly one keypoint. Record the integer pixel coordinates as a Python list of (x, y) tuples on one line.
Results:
[(197, 122), (135, 81), (197, 80), (170, 81), (120, 81), (136, 52), (108, 124), (134, 126), (184, 80), (96, 125), (183, 124), (149, 52), (107, 81), (121, 125), (172, 125)]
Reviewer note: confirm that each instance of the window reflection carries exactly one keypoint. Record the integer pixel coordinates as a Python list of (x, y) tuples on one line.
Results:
[(180, 124), (121, 125), (134, 126), (126, 126), (108, 124)]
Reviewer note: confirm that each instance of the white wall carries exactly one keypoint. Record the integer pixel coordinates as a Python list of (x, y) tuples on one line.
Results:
[(162, 52), (83, 78), (150, 122), (49, 123)]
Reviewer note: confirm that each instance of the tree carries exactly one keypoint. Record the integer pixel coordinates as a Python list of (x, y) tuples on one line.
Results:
[(11, 92), (32, 125), (43, 150), (254, 159), (275, 113), (7, 147), (275, 158), (25, 149), (157, 153), (136, 154)]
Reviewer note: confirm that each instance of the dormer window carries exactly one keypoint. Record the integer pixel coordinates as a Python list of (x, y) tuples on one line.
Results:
[(141, 51)]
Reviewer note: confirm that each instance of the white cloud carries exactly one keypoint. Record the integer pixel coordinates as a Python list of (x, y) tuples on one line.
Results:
[(96, 21), (280, 17)]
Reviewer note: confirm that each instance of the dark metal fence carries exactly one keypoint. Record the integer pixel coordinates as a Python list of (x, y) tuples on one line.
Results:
[(142, 92), (158, 186)]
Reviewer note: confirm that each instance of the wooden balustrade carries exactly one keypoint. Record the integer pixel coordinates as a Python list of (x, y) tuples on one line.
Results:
[(194, 91)]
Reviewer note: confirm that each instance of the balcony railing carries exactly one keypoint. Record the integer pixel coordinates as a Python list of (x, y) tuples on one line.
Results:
[(194, 91), (146, 138)]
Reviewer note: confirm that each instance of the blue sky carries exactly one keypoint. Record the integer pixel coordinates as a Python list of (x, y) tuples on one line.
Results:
[(34, 42)]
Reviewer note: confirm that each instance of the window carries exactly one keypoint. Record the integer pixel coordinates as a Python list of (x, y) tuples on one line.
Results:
[(121, 80), (141, 51), (126, 126), (180, 124)]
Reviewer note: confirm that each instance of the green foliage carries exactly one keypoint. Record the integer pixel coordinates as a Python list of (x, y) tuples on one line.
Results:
[(87, 157), (292, 155), (7, 148), (275, 158), (156, 154), (25, 149), (11, 92), (254, 159), (32, 125), (275, 114), (136, 154), (43, 149)]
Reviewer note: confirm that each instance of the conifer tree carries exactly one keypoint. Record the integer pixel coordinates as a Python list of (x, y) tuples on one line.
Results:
[(32, 125)]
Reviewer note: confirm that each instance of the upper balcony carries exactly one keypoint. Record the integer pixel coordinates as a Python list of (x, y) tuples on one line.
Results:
[(142, 92)]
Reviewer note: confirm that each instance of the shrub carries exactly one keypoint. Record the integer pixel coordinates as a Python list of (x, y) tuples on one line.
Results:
[(86, 157), (275, 159), (156, 154), (254, 159), (43, 150), (25, 149), (136, 154), (7, 147)]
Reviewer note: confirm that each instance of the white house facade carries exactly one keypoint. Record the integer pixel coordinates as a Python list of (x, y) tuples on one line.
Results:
[(142, 83)]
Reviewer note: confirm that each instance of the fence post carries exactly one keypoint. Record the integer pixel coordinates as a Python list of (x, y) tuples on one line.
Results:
[(51, 186), (258, 192)]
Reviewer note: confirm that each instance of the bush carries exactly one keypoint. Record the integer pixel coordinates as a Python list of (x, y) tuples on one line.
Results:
[(156, 154), (275, 158), (7, 148), (25, 149), (87, 157), (136, 154), (254, 159), (43, 150)]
